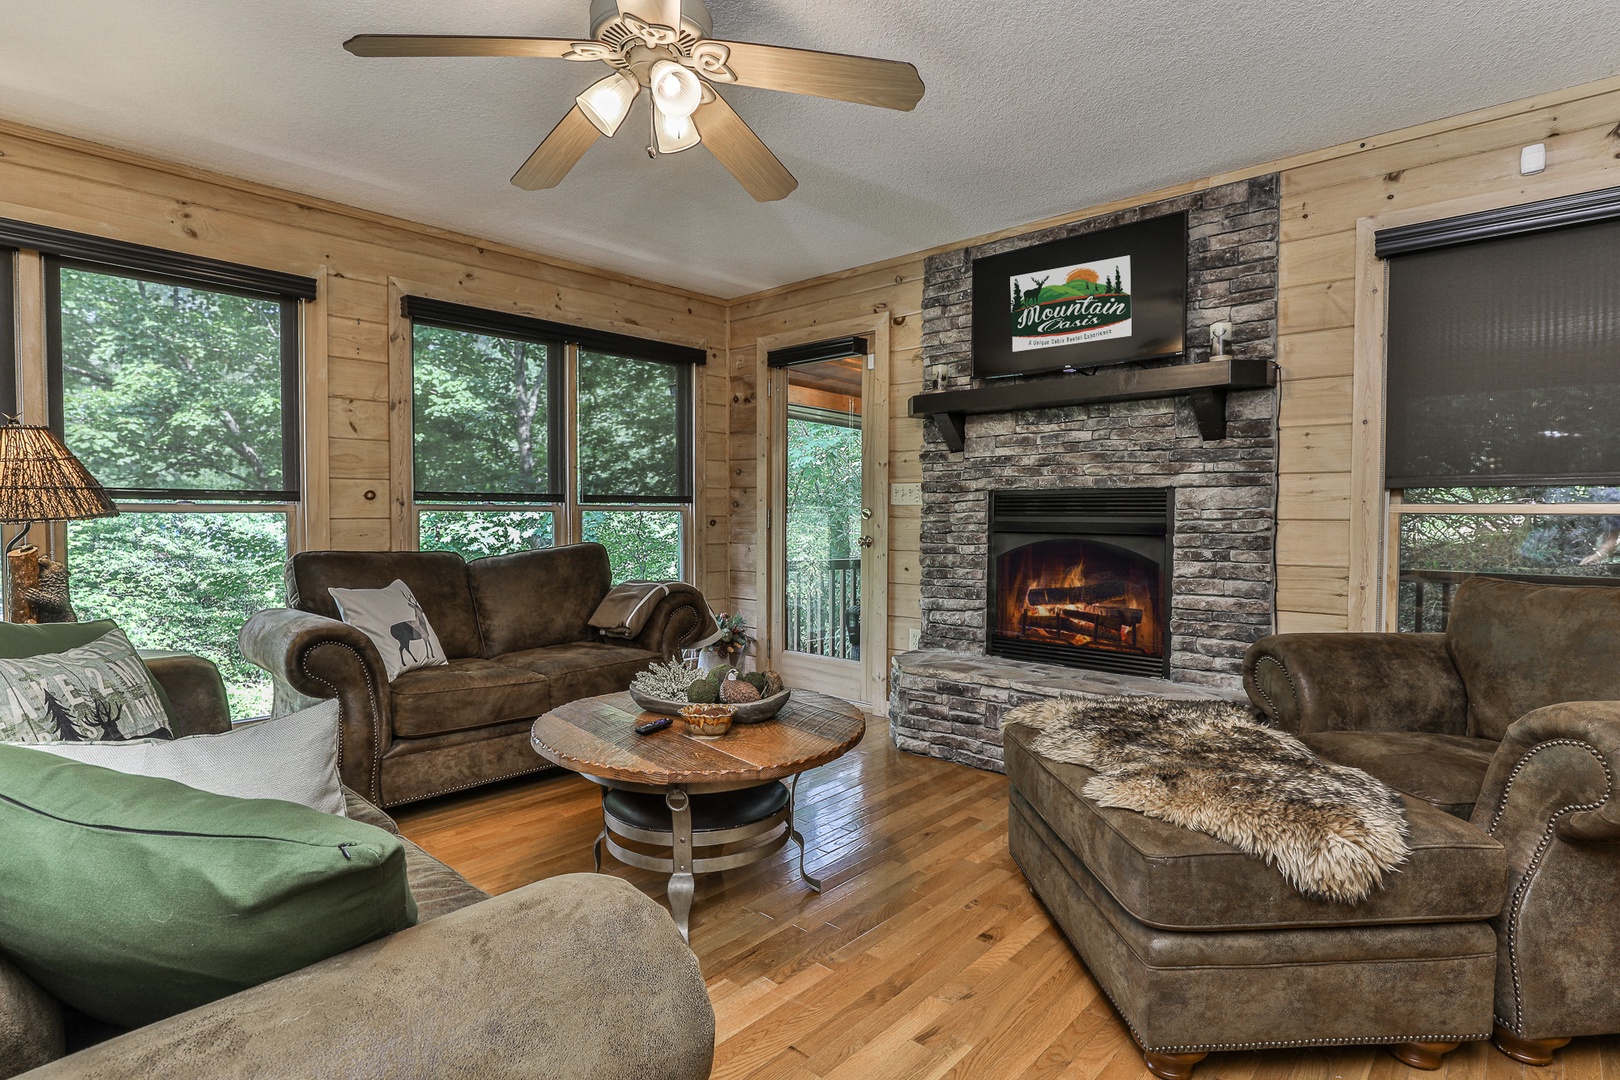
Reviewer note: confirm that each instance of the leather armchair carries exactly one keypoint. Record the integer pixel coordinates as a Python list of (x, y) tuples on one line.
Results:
[(1510, 719)]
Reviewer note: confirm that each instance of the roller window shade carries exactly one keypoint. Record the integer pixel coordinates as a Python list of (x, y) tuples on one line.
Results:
[(1503, 361)]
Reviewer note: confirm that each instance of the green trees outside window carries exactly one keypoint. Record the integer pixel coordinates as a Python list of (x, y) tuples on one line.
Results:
[(1502, 531), (491, 429), (175, 398)]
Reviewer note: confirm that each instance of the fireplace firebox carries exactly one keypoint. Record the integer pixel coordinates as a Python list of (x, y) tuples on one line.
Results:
[(1081, 577)]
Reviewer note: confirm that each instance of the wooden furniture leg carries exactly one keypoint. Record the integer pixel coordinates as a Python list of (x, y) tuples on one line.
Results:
[(1529, 1051), (1171, 1066), (1422, 1055)]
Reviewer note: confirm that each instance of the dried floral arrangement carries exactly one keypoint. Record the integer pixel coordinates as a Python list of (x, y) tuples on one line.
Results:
[(667, 681)]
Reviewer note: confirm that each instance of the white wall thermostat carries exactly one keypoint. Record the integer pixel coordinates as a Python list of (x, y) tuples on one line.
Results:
[(1533, 159)]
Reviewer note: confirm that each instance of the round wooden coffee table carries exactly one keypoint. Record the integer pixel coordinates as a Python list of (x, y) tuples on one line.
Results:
[(595, 738)]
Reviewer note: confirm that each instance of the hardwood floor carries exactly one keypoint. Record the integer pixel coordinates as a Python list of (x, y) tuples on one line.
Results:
[(925, 957)]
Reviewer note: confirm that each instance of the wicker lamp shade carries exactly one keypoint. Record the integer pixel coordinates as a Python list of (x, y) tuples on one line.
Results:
[(41, 480)]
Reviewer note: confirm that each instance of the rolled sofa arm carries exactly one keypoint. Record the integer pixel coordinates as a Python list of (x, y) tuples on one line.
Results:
[(680, 621), (195, 689), (1356, 682), (579, 977), (1558, 765), (312, 658)]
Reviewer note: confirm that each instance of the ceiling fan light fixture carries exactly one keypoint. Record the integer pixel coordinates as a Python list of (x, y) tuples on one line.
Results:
[(671, 133), (607, 103), (675, 89)]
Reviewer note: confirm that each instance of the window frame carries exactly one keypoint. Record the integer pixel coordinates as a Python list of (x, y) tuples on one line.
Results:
[(569, 508), (290, 372), (1378, 509), (30, 309), (10, 383)]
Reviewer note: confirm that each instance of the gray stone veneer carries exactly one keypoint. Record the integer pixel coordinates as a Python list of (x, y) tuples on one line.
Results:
[(1223, 575)]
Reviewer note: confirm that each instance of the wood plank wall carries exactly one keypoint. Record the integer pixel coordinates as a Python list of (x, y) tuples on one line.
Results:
[(1470, 165), (1447, 166), (894, 287), (1438, 169), (67, 183)]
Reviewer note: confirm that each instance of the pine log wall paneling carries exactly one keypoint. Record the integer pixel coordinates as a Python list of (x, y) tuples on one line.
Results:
[(1445, 167), (1438, 169), (1329, 514), (894, 287), (58, 181)]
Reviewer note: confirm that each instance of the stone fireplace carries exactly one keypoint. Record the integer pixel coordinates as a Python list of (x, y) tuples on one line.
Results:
[(1080, 614)]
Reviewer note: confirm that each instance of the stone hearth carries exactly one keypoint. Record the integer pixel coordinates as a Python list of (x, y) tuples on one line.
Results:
[(947, 700)]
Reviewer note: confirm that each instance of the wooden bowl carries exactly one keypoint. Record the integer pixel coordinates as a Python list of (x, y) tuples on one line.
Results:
[(707, 721), (752, 712)]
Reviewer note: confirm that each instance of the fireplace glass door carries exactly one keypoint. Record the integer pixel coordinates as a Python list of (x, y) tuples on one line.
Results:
[(1080, 578)]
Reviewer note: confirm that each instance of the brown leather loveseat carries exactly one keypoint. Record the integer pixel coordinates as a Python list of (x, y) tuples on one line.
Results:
[(1509, 720), (515, 630)]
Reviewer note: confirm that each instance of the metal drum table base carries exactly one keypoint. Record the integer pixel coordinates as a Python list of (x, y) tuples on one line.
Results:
[(698, 821)]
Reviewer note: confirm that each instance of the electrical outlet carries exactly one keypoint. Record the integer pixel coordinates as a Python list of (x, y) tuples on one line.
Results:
[(913, 639)]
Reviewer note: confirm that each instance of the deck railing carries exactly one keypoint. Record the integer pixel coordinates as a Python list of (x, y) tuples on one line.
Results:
[(1430, 592), (824, 608)]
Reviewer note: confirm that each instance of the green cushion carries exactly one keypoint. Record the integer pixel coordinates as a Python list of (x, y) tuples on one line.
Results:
[(18, 641), (132, 898)]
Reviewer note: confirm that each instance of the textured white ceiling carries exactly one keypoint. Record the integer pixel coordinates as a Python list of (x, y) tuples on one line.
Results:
[(1033, 109)]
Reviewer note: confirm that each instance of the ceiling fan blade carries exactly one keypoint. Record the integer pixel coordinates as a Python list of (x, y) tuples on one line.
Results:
[(731, 140), (561, 151), (441, 45), (888, 84), (656, 12)]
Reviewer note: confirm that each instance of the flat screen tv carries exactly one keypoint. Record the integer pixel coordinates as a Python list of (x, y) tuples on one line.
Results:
[(1107, 297)]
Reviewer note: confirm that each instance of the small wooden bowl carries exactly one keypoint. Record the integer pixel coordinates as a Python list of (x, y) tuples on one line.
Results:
[(707, 721)]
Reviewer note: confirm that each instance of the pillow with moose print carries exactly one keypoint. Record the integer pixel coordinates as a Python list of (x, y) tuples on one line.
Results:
[(95, 692), (395, 623)]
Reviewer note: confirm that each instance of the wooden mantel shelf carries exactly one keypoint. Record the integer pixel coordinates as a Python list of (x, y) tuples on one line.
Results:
[(1205, 384)]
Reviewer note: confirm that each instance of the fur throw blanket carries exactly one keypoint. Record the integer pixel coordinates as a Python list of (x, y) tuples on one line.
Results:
[(1214, 767)]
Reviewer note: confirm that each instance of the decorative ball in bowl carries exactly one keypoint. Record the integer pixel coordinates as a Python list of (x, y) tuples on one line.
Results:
[(707, 721)]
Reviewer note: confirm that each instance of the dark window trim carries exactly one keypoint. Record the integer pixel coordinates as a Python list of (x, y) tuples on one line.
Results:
[(214, 273), (517, 501), (1583, 209), (291, 437), (465, 317), (555, 392), (632, 502), (9, 403), (816, 351)]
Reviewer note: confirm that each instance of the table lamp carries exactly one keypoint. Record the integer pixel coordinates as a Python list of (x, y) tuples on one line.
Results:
[(41, 480)]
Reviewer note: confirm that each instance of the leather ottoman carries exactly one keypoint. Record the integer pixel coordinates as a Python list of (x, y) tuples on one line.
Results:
[(1201, 947)]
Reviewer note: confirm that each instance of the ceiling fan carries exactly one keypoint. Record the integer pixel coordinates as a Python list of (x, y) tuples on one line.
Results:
[(664, 47)]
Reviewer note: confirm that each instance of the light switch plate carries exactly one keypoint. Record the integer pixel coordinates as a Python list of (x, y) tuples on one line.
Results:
[(905, 494), (913, 639)]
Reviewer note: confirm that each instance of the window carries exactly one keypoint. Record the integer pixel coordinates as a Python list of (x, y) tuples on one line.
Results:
[(180, 399), (174, 378), (529, 433), (1503, 362)]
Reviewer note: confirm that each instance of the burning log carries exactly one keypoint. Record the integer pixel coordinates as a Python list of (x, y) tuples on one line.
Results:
[(1105, 587)]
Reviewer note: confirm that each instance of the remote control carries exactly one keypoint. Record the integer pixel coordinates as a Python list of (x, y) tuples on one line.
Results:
[(653, 725)]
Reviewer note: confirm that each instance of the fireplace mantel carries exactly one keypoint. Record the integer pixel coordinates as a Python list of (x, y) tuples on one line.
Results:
[(1205, 384)]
